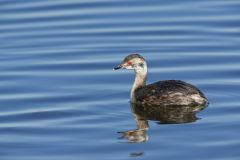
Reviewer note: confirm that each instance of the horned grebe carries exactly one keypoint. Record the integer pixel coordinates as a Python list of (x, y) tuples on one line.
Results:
[(169, 92)]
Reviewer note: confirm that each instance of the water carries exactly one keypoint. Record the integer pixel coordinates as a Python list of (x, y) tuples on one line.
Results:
[(60, 99)]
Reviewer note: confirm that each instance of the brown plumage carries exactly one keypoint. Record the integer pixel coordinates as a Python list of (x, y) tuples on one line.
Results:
[(169, 92)]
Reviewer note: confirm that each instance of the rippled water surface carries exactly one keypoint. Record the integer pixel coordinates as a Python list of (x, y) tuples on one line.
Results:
[(60, 98)]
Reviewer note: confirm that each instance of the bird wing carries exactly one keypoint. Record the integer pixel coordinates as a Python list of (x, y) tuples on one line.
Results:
[(162, 90)]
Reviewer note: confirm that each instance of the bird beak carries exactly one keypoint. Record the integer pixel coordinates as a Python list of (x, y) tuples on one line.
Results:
[(118, 67)]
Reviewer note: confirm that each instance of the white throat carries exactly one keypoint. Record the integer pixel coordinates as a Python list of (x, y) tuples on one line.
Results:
[(140, 80)]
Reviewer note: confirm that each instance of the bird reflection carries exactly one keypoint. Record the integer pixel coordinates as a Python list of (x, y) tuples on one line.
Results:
[(160, 114)]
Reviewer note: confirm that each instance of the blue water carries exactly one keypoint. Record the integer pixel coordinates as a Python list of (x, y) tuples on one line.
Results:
[(60, 98)]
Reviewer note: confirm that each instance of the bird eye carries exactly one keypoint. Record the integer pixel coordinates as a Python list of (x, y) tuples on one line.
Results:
[(129, 63)]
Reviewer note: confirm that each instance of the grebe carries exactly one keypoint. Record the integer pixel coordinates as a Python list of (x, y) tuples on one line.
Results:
[(168, 92)]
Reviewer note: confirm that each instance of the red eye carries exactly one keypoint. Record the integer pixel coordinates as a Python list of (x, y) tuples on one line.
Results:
[(129, 63)]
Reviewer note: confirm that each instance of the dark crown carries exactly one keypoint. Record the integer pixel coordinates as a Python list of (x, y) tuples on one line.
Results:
[(132, 56)]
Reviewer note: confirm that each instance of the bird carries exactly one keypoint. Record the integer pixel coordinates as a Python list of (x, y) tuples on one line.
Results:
[(161, 93)]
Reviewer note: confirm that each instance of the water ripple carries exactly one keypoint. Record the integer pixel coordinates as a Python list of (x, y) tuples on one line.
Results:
[(59, 95)]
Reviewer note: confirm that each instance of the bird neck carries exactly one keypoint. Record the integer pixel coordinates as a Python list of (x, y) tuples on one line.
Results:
[(140, 80)]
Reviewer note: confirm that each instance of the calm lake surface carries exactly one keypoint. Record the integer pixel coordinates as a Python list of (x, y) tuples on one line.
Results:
[(60, 98)]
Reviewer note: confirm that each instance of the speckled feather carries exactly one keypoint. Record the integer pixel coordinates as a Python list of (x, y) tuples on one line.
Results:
[(168, 92)]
